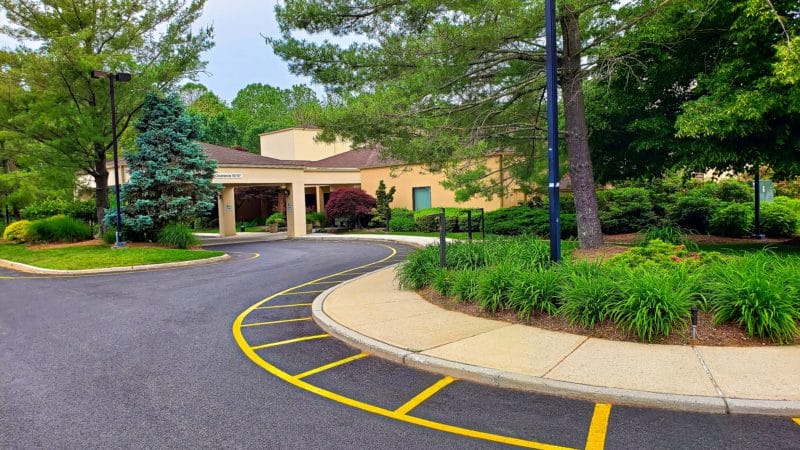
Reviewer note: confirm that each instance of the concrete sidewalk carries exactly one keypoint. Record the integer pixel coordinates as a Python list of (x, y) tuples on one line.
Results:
[(373, 314)]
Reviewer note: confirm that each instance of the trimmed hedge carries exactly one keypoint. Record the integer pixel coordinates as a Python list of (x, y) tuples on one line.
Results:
[(733, 220), (693, 212), (778, 220), (519, 220), (17, 231), (59, 229), (625, 210)]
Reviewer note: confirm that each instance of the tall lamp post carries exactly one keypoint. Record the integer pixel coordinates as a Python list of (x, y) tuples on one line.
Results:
[(552, 129), (112, 77)]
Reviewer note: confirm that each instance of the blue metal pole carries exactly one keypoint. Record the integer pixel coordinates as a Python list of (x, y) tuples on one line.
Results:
[(552, 129)]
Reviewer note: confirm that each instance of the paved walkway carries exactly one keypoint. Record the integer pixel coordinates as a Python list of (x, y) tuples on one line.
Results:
[(373, 314)]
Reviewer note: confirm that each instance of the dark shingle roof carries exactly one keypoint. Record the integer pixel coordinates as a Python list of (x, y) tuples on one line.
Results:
[(355, 159), (230, 156)]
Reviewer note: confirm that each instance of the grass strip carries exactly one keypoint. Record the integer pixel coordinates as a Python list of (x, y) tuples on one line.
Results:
[(98, 256)]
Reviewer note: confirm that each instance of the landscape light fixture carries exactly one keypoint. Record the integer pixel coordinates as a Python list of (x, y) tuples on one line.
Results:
[(112, 77), (552, 129)]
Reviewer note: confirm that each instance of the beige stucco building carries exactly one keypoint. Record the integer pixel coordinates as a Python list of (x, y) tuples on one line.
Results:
[(307, 171)]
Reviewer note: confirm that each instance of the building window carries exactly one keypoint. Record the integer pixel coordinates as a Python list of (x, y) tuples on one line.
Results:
[(421, 197)]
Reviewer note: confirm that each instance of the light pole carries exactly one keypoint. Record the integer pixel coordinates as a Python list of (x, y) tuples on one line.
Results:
[(122, 77), (552, 129)]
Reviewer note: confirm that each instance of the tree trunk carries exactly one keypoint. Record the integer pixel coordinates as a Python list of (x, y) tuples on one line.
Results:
[(577, 134), (101, 189)]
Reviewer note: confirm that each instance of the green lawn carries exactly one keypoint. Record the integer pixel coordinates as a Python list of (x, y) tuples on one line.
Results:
[(733, 249), (97, 256)]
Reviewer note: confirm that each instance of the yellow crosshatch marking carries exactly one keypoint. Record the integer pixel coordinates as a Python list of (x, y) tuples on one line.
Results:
[(308, 373), (274, 322), (299, 383), (424, 395), (289, 341), (596, 440), (284, 306)]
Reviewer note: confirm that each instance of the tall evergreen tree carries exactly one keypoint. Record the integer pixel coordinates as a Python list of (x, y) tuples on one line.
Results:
[(170, 175)]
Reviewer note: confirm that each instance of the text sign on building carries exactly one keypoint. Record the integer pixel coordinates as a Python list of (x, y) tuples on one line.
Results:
[(228, 176)]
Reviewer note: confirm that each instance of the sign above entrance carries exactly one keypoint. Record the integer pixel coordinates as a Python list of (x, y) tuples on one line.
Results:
[(228, 176)]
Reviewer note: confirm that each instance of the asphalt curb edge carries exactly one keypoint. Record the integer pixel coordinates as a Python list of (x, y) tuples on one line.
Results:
[(42, 271), (529, 383)]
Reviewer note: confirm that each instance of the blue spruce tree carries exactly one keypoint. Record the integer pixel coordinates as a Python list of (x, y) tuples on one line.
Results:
[(170, 177)]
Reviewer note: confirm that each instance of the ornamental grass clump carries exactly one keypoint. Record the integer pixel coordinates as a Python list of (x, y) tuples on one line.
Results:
[(535, 291), (588, 292), (178, 236), (59, 229), (653, 302), (494, 284), (751, 293), (525, 252), (416, 271), (465, 255), (465, 285)]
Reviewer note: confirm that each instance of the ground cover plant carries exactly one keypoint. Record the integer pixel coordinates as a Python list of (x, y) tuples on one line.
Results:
[(646, 292), (97, 256)]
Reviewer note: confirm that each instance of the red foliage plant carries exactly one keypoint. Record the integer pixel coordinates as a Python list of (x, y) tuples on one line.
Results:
[(350, 203)]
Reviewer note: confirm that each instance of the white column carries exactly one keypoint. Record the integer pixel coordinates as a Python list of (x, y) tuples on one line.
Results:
[(296, 210), (227, 212), (320, 203)]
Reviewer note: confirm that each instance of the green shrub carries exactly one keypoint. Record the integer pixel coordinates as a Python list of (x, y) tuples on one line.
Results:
[(693, 212), (567, 202), (730, 190), (521, 220), (494, 284), (668, 233), (59, 229), (402, 212), (535, 291), (17, 231), (427, 220), (2, 228), (277, 217), (623, 210), (653, 302), (402, 224), (777, 220), (177, 235), (79, 209), (734, 220), (316, 218), (748, 292), (415, 272), (588, 293), (791, 203), (465, 285), (110, 237)]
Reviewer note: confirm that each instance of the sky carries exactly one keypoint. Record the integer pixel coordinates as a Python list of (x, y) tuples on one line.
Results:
[(241, 56)]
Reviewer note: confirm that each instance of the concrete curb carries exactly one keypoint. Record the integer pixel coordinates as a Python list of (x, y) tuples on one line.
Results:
[(529, 383), (39, 270)]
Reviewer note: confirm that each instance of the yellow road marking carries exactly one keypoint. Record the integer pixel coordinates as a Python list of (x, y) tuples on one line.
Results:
[(258, 324), (294, 381), (303, 292), (796, 420), (128, 272), (330, 366), (326, 282), (284, 306), (289, 341), (596, 440), (424, 395)]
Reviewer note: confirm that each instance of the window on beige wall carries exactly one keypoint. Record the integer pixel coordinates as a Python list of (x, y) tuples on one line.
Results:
[(421, 197)]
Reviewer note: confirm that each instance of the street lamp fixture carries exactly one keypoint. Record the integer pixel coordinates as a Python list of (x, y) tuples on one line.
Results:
[(112, 77)]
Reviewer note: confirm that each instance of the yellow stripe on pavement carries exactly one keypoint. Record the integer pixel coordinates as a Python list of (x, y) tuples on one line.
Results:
[(424, 395), (330, 366), (302, 292), (274, 322), (289, 341), (284, 306), (796, 420), (596, 440)]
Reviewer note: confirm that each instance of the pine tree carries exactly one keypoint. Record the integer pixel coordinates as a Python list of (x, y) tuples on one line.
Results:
[(383, 214), (170, 175)]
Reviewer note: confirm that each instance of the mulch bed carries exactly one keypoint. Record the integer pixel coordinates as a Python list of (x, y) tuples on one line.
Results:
[(707, 334)]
